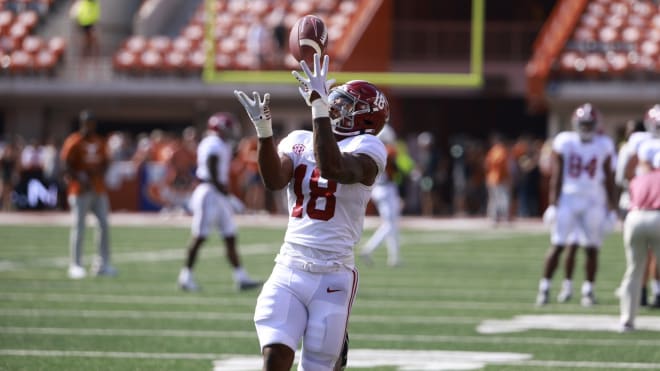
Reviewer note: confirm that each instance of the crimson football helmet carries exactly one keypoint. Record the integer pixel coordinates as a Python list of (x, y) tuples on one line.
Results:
[(358, 107), (586, 121), (224, 124), (652, 120)]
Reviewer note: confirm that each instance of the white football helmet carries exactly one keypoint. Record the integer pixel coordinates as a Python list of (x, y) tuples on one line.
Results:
[(586, 121), (652, 121)]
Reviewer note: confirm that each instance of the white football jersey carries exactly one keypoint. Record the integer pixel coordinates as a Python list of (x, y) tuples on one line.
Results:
[(325, 217), (635, 140), (582, 171), (647, 149), (213, 145)]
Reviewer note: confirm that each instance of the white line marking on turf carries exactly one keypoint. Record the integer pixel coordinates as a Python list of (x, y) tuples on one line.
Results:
[(246, 249), (427, 360), (139, 257), (563, 322), (385, 338), (404, 360), (184, 299), (408, 360), (224, 316)]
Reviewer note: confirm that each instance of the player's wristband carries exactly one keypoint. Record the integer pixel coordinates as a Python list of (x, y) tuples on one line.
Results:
[(320, 109), (264, 128)]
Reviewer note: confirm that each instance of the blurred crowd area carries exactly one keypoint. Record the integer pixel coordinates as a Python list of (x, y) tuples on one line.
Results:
[(154, 171)]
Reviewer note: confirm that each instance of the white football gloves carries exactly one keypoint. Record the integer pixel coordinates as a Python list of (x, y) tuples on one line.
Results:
[(316, 81), (259, 112), (550, 215)]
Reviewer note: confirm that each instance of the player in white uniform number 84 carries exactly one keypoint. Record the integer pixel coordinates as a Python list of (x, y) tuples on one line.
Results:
[(328, 174), (581, 199)]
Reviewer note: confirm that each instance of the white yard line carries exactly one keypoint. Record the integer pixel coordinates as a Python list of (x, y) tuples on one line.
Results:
[(360, 357), (384, 338), (216, 316), (186, 299)]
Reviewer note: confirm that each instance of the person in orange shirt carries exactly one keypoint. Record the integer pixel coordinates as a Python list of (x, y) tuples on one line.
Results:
[(85, 159), (498, 180)]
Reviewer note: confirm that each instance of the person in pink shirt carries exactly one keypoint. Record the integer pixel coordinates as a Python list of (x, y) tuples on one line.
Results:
[(641, 231)]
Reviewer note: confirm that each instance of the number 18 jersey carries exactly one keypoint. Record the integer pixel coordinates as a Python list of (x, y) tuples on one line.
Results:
[(325, 217), (582, 171)]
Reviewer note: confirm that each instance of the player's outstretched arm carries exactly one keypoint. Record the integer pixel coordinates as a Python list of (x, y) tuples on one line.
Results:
[(275, 171), (346, 168)]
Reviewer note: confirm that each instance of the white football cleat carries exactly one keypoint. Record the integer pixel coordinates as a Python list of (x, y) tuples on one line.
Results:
[(564, 295), (588, 300), (542, 298), (76, 272), (186, 280)]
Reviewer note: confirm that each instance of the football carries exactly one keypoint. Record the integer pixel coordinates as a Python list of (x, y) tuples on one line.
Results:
[(308, 35)]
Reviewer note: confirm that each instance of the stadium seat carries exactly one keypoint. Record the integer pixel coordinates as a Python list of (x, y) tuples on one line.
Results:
[(617, 63), (181, 44), (151, 61), (174, 62), (45, 62), (136, 44), (32, 44), (595, 65), (160, 44), (57, 45), (6, 20), (20, 62), (124, 61), (29, 19), (231, 25)]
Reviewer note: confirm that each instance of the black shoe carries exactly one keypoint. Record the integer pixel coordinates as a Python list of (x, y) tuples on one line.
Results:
[(656, 302), (643, 300), (248, 285)]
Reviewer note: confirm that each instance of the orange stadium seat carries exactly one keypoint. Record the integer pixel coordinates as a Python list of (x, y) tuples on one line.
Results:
[(45, 62), (183, 54), (6, 20), (57, 45), (619, 36)]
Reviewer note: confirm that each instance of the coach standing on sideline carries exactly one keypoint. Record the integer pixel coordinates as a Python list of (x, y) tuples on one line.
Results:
[(641, 230), (85, 158)]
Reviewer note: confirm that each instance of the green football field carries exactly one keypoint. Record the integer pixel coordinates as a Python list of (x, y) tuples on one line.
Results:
[(463, 300)]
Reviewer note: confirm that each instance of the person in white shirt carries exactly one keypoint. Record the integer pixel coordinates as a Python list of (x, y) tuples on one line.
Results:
[(581, 198), (328, 174), (210, 203), (385, 196), (642, 145)]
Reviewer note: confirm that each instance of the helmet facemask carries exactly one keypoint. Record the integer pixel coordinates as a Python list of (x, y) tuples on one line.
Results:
[(586, 130), (343, 110)]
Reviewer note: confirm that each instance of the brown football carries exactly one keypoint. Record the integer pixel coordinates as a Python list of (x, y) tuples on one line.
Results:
[(308, 35)]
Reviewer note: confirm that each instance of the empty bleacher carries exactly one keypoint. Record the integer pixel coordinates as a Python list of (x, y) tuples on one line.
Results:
[(613, 39), (184, 54), (22, 52)]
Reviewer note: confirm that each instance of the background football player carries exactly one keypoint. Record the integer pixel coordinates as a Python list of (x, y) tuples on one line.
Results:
[(211, 205), (385, 196), (581, 195)]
